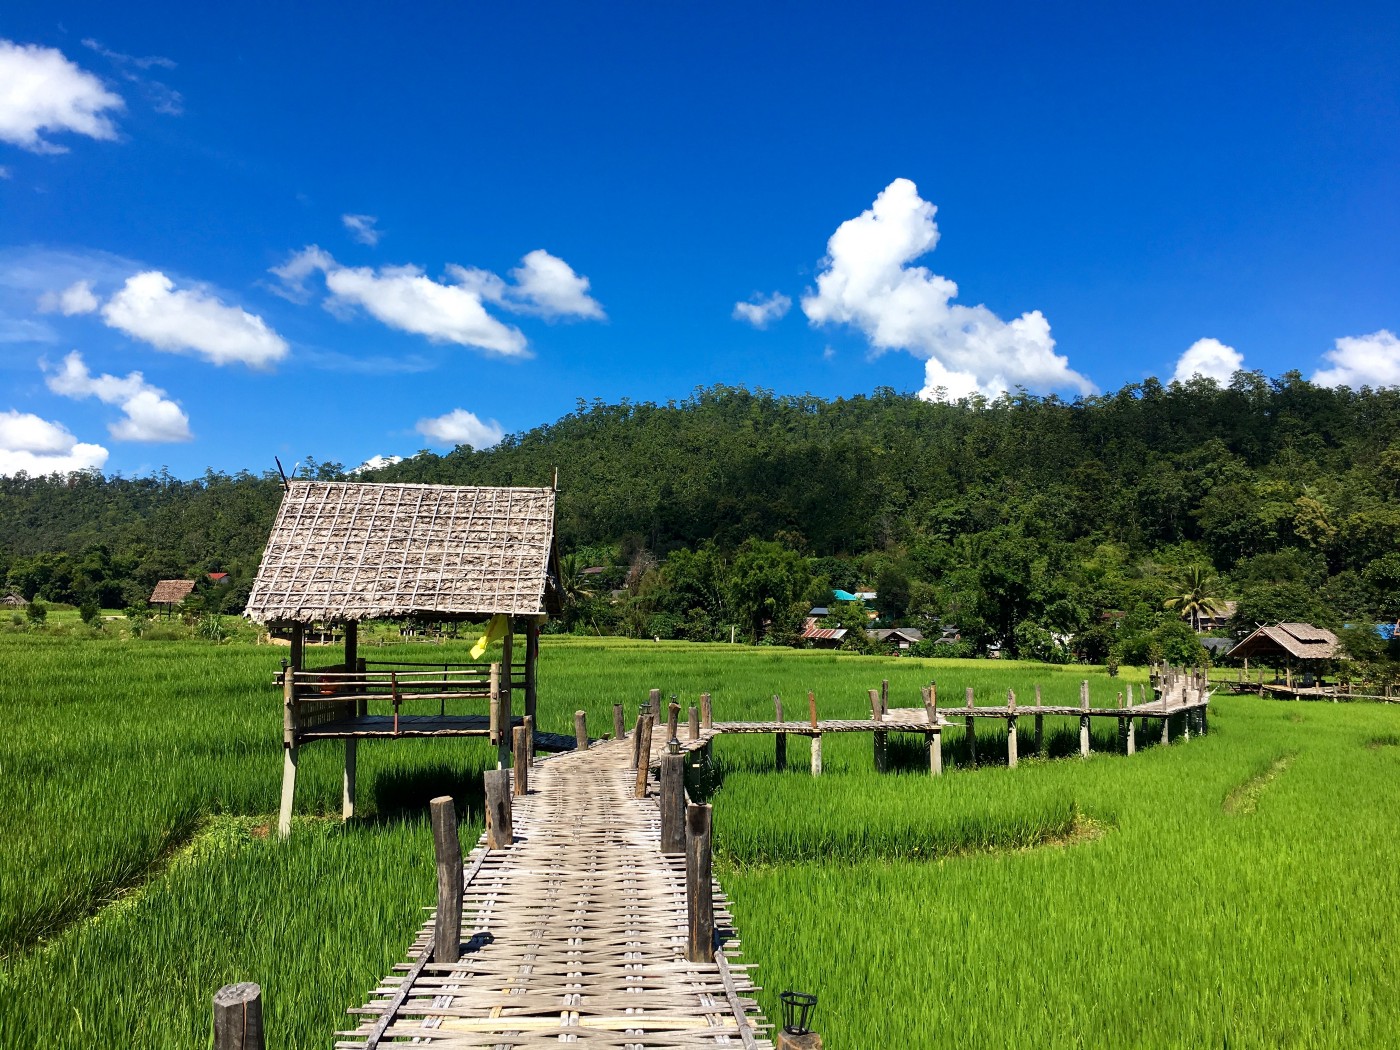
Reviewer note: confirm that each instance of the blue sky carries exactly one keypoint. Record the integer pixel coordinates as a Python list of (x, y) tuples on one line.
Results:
[(343, 232)]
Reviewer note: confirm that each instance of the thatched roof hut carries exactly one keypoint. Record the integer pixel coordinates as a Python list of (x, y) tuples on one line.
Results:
[(351, 551), (171, 592), (1289, 641)]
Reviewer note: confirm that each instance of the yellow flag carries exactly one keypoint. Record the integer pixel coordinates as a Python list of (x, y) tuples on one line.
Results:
[(495, 630)]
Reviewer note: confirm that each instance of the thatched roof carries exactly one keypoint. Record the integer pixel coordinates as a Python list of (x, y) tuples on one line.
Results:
[(356, 551), (1302, 641), (171, 592)]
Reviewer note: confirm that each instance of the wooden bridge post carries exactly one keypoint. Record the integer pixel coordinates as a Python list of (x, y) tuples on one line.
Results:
[(1122, 726), (816, 754), (707, 720), (581, 730), (347, 781), (238, 1018), (1011, 729), (532, 659), (933, 738), (694, 722), (637, 738), (529, 728), (447, 929), (971, 732), (878, 738), (643, 757), (503, 741), (1132, 725), (699, 885), (500, 831), (619, 722), (654, 698), (1084, 719), (673, 721), (805, 1041), (521, 780), (885, 696), (779, 738), (672, 804)]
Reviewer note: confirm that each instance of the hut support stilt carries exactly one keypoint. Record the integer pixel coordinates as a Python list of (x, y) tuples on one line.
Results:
[(289, 788), (347, 795)]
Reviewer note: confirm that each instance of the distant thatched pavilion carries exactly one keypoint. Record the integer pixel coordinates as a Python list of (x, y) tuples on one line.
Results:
[(344, 552), (1289, 644), (170, 593)]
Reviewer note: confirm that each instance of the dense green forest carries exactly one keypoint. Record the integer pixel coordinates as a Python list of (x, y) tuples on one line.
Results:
[(1054, 529)]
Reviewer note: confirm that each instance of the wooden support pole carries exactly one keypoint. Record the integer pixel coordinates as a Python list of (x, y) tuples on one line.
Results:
[(643, 757), (500, 831), (347, 783), (933, 739), (521, 781), (447, 928), (879, 739), (529, 728), (1011, 729), (619, 722), (495, 688), (779, 739), (812, 707), (1166, 729), (1039, 725), (1122, 727), (706, 716), (532, 662), (581, 730), (654, 698), (637, 739), (885, 696), (1084, 719), (1132, 736), (507, 700), (289, 790), (352, 663), (694, 722), (673, 721), (817, 755), (297, 655), (672, 804), (238, 1019), (699, 885), (804, 1041)]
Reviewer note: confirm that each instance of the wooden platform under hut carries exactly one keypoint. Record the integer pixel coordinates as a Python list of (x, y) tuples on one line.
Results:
[(346, 552)]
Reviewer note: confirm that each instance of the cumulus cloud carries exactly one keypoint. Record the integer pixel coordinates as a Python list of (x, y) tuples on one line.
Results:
[(460, 427), (867, 281), (148, 307), (37, 446), (77, 298), (1211, 359), (762, 310), (362, 228), (148, 415), (1362, 360), (41, 91), (546, 285)]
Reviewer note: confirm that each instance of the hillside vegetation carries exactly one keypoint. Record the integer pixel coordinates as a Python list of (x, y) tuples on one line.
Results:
[(1024, 520)]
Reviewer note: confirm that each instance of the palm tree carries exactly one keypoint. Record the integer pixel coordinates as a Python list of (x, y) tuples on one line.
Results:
[(573, 590), (1197, 595)]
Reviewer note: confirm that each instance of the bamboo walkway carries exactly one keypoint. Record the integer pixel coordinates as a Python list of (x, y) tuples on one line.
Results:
[(575, 933)]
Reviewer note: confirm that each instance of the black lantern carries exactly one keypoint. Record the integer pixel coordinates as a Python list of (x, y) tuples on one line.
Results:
[(797, 1008)]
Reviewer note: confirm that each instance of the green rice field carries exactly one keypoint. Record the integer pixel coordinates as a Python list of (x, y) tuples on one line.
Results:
[(1230, 891)]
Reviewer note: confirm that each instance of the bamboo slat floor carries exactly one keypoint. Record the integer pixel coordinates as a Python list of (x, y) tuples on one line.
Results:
[(575, 933)]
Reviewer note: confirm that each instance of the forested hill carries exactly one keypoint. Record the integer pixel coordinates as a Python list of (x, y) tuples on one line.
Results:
[(1275, 483)]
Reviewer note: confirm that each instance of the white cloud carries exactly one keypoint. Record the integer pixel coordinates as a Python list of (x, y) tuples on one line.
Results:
[(460, 427), (403, 298), (362, 229), (762, 310), (148, 414), (376, 462), (1362, 360), (149, 308), (76, 299), (867, 282), (38, 447), (1211, 359), (41, 91), (546, 285)]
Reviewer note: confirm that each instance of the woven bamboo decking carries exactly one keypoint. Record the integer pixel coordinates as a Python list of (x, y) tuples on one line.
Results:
[(575, 933)]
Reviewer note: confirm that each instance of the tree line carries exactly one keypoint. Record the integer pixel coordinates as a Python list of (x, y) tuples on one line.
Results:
[(1049, 528)]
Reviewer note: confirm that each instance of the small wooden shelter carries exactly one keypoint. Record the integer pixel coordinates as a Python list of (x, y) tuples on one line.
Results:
[(346, 552), (1289, 644), (170, 593)]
